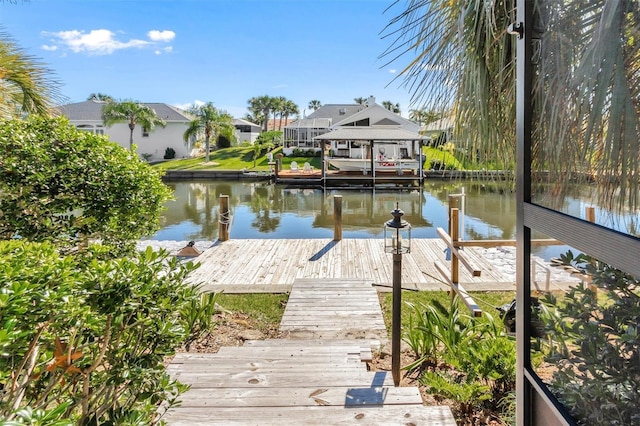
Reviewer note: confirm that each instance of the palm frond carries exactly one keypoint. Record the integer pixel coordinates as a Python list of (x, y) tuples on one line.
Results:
[(27, 86)]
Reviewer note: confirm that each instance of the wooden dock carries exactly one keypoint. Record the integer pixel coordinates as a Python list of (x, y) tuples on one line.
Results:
[(272, 265), (336, 308), (318, 376)]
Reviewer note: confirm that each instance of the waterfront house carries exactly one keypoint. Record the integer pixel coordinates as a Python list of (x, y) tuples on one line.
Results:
[(151, 143), (246, 131), (363, 122)]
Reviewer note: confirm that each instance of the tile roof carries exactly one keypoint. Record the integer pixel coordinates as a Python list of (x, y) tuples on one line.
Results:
[(243, 122), (275, 124), (336, 112), (91, 110), (370, 133)]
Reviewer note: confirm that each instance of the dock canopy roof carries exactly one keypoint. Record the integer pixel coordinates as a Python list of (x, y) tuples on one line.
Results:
[(370, 134)]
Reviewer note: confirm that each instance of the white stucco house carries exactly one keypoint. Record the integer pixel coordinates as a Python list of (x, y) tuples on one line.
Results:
[(151, 143), (348, 128), (246, 131)]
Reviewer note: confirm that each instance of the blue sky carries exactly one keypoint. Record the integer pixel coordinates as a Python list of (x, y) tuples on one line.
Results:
[(224, 51)]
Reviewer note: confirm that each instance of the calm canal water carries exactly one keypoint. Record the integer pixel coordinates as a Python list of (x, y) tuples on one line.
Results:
[(264, 210)]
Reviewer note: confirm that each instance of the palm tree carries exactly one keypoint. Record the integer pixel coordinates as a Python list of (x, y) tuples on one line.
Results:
[(424, 116), (315, 104), (290, 108), (209, 122), (585, 91), (260, 107), (395, 108), (360, 101), (465, 62), (133, 113), (100, 97), (279, 105), (26, 86)]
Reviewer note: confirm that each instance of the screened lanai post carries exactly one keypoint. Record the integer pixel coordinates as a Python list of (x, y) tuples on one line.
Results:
[(524, 110), (421, 160)]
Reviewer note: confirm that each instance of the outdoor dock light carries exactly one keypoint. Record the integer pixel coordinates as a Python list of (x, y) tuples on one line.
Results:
[(397, 241), (397, 234)]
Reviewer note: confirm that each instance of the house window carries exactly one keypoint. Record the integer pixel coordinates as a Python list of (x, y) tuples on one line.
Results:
[(145, 132)]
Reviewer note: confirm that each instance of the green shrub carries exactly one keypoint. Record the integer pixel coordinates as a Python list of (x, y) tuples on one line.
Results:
[(64, 185), (440, 159), (84, 338), (468, 359), (169, 153), (594, 343)]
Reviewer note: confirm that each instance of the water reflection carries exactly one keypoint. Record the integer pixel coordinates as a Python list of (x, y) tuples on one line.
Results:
[(263, 210)]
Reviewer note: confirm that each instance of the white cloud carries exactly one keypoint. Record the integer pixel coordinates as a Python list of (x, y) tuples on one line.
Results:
[(165, 36), (186, 106), (105, 42), (393, 71), (167, 49), (97, 42)]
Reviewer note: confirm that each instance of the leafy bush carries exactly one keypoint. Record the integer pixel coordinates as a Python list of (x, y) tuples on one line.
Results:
[(169, 153), (468, 359), (299, 152), (84, 338), (440, 159), (64, 185), (594, 343), (223, 142)]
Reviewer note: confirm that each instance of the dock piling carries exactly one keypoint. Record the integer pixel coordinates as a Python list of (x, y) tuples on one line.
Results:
[(225, 219), (337, 217)]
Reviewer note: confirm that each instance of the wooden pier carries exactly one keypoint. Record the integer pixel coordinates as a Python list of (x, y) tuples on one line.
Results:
[(316, 376), (272, 265), (342, 179)]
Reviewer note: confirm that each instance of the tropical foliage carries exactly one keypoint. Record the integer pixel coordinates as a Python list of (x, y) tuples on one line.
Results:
[(461, 58), (314, 104), (65, 185), (587, 114), (132, 113), (424, 116), (100, 97), (261, 107), (26, 85), (395, 108), (85, 332), (209, 123), (467, 359), (84, 337), (266, 141), (592, 342), (585, 91)]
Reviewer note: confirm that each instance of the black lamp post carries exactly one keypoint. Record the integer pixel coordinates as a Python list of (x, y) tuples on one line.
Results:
[(397, 240)]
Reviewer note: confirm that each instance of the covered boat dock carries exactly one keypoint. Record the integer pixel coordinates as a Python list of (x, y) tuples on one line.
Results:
[(373, 170)]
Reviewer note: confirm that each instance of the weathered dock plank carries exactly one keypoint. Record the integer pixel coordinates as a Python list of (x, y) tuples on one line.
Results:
[(300, 396), (333, 308), (277, 416), (269, 381), (274, 264)]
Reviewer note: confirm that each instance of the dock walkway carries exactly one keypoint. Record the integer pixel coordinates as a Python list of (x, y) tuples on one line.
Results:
[(272, 265), (314, 377)]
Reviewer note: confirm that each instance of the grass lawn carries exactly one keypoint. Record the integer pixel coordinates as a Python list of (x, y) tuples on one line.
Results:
[(488, 301), (268, 308), (236, 158), (265, 309), (239, 158)]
